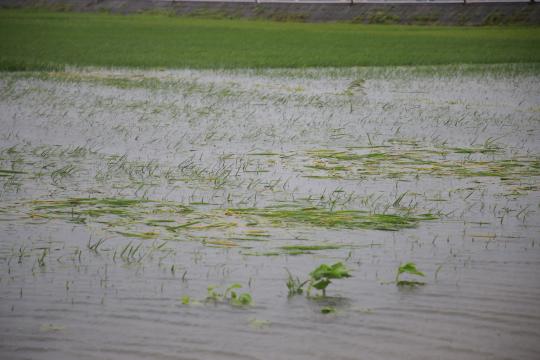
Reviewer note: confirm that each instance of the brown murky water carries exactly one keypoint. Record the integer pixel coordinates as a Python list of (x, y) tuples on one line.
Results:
[(126, 194)]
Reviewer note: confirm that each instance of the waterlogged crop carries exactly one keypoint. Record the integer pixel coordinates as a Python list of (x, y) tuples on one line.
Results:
[(190, 178), (408, 268), (344, 219), (295, 285), (229, 295), (319, 279), (322, 276), (328, 310)]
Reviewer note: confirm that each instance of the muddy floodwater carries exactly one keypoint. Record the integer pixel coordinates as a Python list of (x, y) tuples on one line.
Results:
[(161, 214)]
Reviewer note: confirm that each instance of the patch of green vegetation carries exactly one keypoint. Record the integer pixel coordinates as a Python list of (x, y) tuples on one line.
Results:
[(319, 279), (489, 147), (295, 285), (121, 215), (141, 235), (269, 253), (408, 268), (229, 295), (398, 162), (29, 64), (470, 150), (346, 219), (319, 165), (42, 40), (323, 275), (310, 247), (328, 310), (307, 249)]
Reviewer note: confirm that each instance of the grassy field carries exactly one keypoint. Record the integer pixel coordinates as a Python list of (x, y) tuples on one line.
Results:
[(35, 39)]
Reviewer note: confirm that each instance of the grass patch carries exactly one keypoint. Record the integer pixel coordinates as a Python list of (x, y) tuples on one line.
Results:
[(111, 211), (310, 247), (399, 162), (344, 219), (38, 40)]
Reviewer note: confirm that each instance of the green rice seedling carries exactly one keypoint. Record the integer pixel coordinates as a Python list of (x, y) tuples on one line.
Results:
[(408, 268), (41, 258), (132, 254), (322, 276), (295, 285), (21, 254), (94, 247)]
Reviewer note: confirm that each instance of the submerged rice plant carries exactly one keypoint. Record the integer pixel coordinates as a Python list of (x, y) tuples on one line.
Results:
[(344, 219)]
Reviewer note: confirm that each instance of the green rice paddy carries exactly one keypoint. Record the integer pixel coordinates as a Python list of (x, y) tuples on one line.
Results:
[(48, 40)]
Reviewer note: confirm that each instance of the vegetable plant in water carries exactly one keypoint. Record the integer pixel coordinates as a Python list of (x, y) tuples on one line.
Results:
[(321, 277), (408, 268), (229, 296)]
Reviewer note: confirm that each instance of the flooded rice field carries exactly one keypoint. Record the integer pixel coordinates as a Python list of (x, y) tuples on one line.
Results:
[(189, 214)]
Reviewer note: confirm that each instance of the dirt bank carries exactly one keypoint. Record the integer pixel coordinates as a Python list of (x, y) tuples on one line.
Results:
[(443, 14)]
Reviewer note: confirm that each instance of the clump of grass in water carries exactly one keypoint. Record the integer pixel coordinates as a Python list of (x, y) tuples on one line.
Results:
[(489, 147), (307, 249), (79, 210), (295, 285), (396, 162), (347, 219)]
